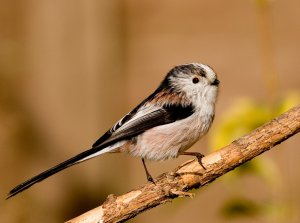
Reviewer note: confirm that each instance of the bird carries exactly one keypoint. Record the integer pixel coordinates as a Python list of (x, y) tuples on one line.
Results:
[(163, 126)]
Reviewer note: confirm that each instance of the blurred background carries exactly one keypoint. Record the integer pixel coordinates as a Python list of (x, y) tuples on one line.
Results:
[(70, 69)]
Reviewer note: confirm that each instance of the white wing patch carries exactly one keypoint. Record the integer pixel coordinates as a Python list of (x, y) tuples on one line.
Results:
[(143, 111)]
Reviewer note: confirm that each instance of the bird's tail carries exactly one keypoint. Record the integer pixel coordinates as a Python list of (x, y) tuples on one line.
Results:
[(88, 154)]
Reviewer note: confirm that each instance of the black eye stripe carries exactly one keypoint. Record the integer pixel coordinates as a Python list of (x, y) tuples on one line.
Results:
[(195, 80), (202, 73)]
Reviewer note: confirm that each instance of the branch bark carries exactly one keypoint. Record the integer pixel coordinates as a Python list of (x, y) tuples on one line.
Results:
[(191, 175)]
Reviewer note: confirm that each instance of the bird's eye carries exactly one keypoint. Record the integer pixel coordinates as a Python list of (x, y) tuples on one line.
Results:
[(195, 80)]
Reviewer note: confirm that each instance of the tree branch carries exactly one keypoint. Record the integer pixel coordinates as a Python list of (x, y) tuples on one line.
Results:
[(191, 175)]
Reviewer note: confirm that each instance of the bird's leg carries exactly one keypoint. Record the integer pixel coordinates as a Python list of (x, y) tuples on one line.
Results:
[(149, 177), (199, 156)]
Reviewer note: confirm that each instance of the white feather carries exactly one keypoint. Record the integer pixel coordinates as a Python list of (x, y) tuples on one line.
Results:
[(105, 150)]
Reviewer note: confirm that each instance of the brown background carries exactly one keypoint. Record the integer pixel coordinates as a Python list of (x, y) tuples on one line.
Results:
[(70, 69)]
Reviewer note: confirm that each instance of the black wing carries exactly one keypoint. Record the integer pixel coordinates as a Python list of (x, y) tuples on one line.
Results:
[(140, 122), (145, 118)]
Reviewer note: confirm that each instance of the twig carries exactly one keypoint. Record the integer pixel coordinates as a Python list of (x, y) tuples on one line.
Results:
[(191, 175)]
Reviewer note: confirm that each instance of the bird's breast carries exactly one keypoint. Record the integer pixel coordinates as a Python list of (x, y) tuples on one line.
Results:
[(165, 141)]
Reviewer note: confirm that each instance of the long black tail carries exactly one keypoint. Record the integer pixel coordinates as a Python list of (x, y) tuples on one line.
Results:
[(70, 162)]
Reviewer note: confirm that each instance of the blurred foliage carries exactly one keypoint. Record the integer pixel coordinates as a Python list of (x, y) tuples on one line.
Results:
[(242, 117), (246, 114), (244, 207), (240, 207)]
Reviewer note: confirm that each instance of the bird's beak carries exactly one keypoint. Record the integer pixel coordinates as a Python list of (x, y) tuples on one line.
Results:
[(216, 82)]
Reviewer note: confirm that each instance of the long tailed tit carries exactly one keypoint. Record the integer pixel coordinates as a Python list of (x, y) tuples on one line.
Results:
[(163, 126)]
